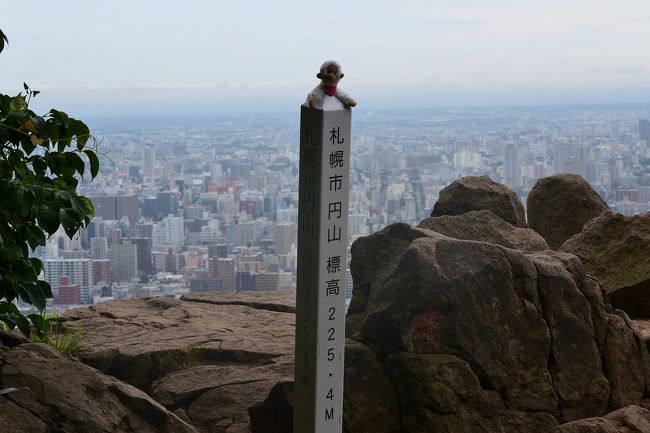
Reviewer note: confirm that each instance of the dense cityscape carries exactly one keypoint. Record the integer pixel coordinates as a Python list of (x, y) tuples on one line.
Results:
[(211, 204)]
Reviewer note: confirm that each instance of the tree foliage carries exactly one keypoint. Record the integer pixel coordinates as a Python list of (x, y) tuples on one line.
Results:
[(41, 159)]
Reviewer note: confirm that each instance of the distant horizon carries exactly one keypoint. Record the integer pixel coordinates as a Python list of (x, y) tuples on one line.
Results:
[(166, 58), (517, 107)]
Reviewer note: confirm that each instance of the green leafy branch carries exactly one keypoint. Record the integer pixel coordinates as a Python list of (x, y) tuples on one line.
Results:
[(40, 159)]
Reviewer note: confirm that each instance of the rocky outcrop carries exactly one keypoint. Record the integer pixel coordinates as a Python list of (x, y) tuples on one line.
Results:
[(478, 193), (559, 206), (474, 336), (633, 419), (485, 226), (66, 396), (616, 249), (209, 358)]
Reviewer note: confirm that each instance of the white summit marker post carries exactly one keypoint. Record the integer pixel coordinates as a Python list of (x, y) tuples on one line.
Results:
[(322, 267)]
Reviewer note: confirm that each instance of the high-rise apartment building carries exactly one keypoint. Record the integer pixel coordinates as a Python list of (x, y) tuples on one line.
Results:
[(79, 272), (226, 273), (511, 165), (266, 282), (148, 162), (285, 236), (124, 261), (169, 233), (143, 245), (644, 130), (98, 247)]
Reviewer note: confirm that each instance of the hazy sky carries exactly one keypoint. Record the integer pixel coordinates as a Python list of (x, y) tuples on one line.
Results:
[(169, 57)]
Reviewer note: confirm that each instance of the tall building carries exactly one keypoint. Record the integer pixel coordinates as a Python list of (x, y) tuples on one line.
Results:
[(644, 130), (285, 235), (512, 165), (226, 273), (114, 207), (79, 272), (124, 261), (244, 282), (101, 271), (561, 154), (68, 294), (164, 203), (266, 282), (143, 245), (98, 247), (170, 232), (148, 162)]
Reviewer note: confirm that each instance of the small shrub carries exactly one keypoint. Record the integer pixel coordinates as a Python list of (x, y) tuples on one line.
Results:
[(66, 342)]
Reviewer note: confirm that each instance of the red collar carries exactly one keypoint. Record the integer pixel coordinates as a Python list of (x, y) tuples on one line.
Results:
[(330, 90)]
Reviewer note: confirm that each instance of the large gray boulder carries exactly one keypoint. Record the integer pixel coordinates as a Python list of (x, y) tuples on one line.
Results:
[(559, 206), (478, 193), (616, 249), (67, 396), (474, 336), (485, 226)]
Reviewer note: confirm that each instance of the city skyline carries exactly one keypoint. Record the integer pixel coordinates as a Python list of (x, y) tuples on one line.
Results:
[(161, 58), (211, 204)]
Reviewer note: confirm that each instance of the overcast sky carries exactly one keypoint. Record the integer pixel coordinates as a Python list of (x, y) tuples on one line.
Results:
[(169, 57)]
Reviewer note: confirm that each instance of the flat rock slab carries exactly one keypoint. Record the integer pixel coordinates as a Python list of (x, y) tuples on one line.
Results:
[(283, 302), (208, 357)]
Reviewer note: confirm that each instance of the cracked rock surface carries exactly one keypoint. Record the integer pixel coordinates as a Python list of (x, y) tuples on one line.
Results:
[(207, 357), (63, 395)]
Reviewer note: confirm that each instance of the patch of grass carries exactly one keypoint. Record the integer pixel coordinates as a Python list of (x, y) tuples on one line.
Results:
[(174, 360), (66, 342)]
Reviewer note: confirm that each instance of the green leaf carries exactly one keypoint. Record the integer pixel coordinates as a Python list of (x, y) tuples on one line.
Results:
[(9, 308), (36, 296), (77, 162), (94, 162), (18, 103), (42, 326), (3, 39), (46, 288), (48, 219), (39, 166), (60, 117), (70, 225), (23, 325), (81, 131), (36, 263), (52, 131), (87, 205), (26, 202), (10, 252), (35, 237)]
